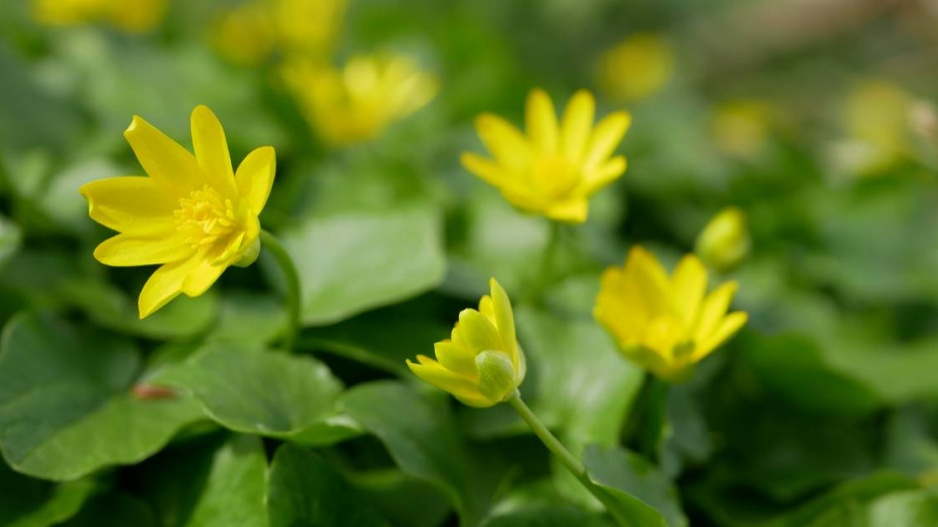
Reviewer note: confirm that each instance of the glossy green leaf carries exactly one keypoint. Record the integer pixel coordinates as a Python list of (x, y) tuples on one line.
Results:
[(114, 309), (117, 509), (249, 389), (419, 435), (235, 487), (305, 490), (354, 262), (644, 495), (548, 516), (79, 382), (249, 317)]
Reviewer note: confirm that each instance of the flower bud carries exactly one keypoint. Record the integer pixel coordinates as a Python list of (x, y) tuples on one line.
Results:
[(724, 242)]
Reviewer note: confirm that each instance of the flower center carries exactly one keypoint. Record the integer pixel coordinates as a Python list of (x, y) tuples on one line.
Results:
[(205, 217), (554, 176)]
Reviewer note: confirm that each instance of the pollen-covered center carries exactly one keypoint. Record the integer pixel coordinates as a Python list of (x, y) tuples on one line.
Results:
[(205, 217)]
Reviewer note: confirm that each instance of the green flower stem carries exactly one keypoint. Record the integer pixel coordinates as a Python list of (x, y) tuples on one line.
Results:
[(546, 270), (648, 417), (292, 279), (556, 447)]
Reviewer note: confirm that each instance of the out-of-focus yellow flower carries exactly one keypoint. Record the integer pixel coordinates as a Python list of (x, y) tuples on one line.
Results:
[(552, 169), (665, 324), (724, 242), (741, 128), (132, 16), (636, 68), (482, 364), (250, 32), (360, 101), (876, 121), (194, 216)]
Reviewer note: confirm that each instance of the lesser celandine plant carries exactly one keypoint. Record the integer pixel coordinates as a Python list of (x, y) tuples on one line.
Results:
[(554, 167), (193, 215), (482, 365), (136, 16)]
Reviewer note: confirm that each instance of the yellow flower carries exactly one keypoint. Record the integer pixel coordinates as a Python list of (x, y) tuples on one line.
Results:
[(665, 324), (741, 128), (250, 32), (724, 242), (359, 102), (553, 168), (193, 215), (482, 364), (875, 116), (636, 68), (133, 16)]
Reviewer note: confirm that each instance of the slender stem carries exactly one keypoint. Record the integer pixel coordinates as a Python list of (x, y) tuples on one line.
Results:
[(292, 279), (546, 270), (556, 447)]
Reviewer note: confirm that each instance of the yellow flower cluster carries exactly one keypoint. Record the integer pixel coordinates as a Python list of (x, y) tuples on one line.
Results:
[(194, 216), (132, 16)]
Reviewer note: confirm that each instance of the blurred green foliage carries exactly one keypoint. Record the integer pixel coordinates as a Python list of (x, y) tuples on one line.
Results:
[(822, 413)]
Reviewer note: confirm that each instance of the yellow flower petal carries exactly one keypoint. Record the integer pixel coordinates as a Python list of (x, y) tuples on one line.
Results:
[(728, 327), (503, 140), (688, 286), (475, 332), (608, 172), (541, 122), (576, 124), (211, 150), (163, 159), (136, 205), (713, 309), (490, 172), (456, 359), (255, 177), (164, 285), (649, 279), (462, 388), (606, 137), (126, 250), (202, 276), (572, 211), (505, 319)]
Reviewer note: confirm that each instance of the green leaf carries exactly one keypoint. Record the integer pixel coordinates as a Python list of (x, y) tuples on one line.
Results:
[(857, 492), (306, 490), (419, 435), (252, 390), (236, 487), (547, 516), (354, 262), (915, 508), (795, 370), (10, 238), (27, 502), (249, 317), (643, 493), (394, 493), (110, 307), (79, 382)]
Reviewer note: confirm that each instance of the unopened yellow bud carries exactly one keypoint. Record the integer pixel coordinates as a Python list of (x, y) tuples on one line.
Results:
[(724, 242)]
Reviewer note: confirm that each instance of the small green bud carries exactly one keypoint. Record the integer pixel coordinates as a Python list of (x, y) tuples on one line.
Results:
[(250, 255), (496, 375), (724, 242)]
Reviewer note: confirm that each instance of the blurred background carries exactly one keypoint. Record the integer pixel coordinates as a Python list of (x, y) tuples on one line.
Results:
[(815, 118)]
